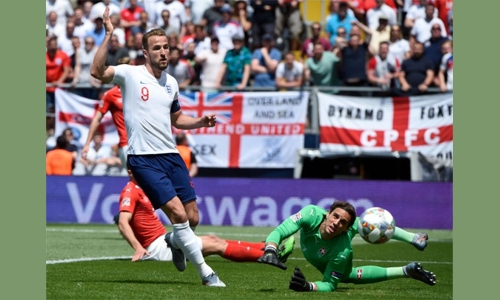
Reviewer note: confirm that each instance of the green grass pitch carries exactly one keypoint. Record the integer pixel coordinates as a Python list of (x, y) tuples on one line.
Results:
[(93, 262)]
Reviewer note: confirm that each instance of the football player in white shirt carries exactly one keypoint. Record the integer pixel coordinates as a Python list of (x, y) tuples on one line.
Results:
[(151, 107)]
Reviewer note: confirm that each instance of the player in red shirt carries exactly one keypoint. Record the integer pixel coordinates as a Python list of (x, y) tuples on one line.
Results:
[(111, 101), (143, 230), (130, 17)]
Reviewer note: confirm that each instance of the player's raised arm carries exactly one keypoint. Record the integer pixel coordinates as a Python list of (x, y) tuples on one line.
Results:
[(98, 69)]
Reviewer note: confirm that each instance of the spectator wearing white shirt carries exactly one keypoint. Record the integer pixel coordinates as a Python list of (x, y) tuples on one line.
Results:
[(118, 31), (200, 38), (381, 9), (415, 12), (55, 28), (64, 42), (87, 8), (197, 8), (446, 69), (226, 28), (211, 61), (167, 27), (82, 25), (150, 7), (289, 72), (62, 8), (98, 9), (97, 160), (177, 14), (398, 46), (421, 30), (383, 69)]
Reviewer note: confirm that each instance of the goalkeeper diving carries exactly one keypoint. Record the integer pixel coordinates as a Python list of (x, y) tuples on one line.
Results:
[(326, 242)]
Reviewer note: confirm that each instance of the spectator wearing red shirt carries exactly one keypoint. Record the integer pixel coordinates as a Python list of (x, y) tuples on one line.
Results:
[(57, 69), (308, 44), (130, 17)]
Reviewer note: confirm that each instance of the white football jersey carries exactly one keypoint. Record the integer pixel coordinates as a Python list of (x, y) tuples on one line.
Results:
[(147, 104)]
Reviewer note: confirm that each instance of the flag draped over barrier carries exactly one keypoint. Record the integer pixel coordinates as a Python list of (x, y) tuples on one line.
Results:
[(421, 124), (75, 112), (254, 129)]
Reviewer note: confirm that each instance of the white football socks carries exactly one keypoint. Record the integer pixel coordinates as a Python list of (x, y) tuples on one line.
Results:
[(184, 238)]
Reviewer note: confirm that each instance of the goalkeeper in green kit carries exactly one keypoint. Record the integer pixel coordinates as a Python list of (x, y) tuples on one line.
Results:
[(326, 242)]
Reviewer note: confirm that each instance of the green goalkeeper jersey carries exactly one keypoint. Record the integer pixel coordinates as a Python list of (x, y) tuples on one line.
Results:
[(333, 258)]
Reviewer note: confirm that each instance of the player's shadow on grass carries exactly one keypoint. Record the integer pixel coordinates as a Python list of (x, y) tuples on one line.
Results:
[(117, 238), (268, 290)]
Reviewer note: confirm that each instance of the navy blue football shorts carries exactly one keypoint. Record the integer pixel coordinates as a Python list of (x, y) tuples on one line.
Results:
[(162, 177)]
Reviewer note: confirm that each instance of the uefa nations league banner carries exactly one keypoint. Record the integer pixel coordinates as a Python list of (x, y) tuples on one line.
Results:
[(420, 124), (258, 202)]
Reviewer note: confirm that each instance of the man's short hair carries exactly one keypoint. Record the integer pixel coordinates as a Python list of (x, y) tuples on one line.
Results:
[(150, 33), (384, 42), (179, 138), (61, 142), (347, 207)]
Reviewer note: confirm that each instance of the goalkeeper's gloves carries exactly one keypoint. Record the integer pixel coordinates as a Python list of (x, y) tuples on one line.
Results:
[(299, 283), (271, 257)]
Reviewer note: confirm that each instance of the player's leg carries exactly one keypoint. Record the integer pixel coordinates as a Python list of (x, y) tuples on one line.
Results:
[(191, 208), (372, 274), (158, 250), (184, 189), (255, 245), (151, 172), (231, 250), (418, 240)]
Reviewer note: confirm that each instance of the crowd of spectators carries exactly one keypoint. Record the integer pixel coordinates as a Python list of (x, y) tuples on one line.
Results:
[(204, 31), (404, 47)]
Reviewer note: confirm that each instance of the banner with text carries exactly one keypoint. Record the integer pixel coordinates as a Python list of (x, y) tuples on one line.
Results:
[(258, 202), (421, 124), (253, 130), (76, 112)]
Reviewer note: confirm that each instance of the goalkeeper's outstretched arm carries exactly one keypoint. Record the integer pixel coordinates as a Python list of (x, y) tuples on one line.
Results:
[(287, 228)]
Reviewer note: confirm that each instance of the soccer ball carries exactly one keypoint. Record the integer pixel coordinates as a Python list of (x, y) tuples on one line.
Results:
[(376, 225)]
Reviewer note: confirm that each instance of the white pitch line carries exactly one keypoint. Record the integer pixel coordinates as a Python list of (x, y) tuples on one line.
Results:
[(73, 260), (113, 231)]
